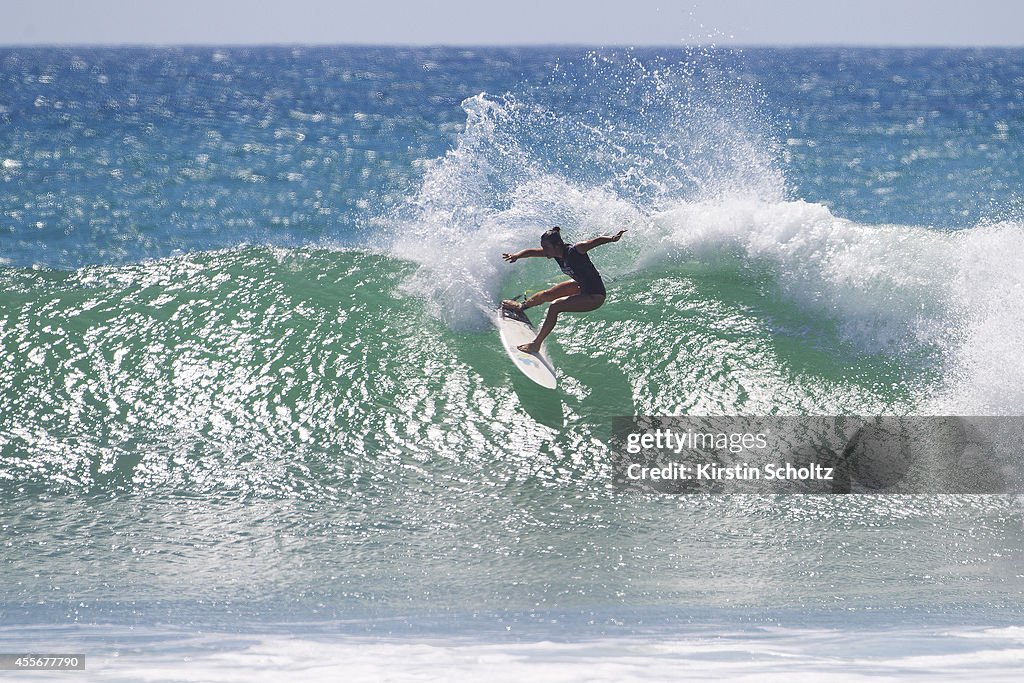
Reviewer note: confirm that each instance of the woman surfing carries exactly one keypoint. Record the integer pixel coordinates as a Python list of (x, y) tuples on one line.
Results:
[(585, 292)]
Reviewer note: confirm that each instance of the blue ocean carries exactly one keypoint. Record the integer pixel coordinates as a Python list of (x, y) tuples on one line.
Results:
[(255, 417)]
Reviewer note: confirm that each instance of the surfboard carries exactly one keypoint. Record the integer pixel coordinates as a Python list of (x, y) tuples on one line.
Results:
[(515, 328)]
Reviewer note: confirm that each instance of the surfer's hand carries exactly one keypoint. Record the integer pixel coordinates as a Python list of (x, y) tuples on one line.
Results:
[(618, 235), (511, 258)]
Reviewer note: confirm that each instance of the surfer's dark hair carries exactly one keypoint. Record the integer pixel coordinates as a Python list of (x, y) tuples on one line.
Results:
[(553, 236)]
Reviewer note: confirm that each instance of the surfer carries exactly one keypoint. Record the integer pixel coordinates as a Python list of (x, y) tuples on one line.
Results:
[(585, 292)]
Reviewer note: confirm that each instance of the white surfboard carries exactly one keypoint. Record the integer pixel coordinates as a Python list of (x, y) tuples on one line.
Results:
[(515, 329)]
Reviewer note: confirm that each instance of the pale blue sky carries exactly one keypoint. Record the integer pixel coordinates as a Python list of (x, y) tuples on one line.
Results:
[(517, 22)]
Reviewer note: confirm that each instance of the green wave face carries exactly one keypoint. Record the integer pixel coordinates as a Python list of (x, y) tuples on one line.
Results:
[(295, 372)]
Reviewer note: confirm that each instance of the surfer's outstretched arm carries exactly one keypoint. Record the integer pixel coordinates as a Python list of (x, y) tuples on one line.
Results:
[(584, 247), (525, 253)]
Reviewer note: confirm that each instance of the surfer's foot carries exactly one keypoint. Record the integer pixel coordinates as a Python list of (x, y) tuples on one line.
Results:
[(512, 305), (532, 347)]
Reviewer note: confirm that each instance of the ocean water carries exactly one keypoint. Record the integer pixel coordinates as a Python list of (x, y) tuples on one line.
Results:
[(254, 416)]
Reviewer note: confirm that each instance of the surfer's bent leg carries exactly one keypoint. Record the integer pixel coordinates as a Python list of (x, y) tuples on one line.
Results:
[(577, 303), (561, 290)]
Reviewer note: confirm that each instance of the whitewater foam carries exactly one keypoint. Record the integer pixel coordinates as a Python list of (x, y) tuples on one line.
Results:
[(725, 653)]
